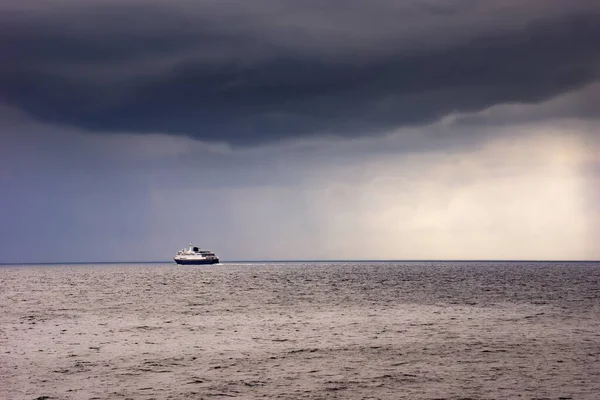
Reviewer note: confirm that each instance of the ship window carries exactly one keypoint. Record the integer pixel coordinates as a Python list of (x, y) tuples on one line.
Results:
[(195, 249)]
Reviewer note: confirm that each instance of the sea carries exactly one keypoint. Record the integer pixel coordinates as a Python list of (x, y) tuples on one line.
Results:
[(301, 330)]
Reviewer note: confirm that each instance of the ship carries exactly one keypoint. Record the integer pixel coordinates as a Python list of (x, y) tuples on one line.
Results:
[(193, 255)]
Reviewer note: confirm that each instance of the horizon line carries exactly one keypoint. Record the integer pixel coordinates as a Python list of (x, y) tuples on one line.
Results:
[(302, 261)]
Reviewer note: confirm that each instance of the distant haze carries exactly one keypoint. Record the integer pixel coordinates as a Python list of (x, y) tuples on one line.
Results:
[(424, 129)]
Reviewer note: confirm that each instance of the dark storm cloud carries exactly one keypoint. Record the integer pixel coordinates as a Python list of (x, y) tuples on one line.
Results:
[(263, 71)]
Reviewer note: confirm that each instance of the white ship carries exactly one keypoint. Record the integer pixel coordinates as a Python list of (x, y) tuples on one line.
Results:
[(195, 256)]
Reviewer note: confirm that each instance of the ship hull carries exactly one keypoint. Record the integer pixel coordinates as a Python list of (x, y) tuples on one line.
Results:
[(196, 262)]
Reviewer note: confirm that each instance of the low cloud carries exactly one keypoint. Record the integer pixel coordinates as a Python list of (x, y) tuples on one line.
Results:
[(270, 71)]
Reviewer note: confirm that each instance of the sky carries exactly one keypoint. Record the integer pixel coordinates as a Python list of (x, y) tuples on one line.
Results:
[(295, 130)]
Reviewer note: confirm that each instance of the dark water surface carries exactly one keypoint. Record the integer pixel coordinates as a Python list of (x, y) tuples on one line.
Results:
[(435, 330)]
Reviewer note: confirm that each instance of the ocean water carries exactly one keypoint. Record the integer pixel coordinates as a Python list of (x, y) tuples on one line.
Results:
[(382, 330)]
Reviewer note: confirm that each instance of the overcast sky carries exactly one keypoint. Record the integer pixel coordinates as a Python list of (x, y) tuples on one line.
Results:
[(314, 129)]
